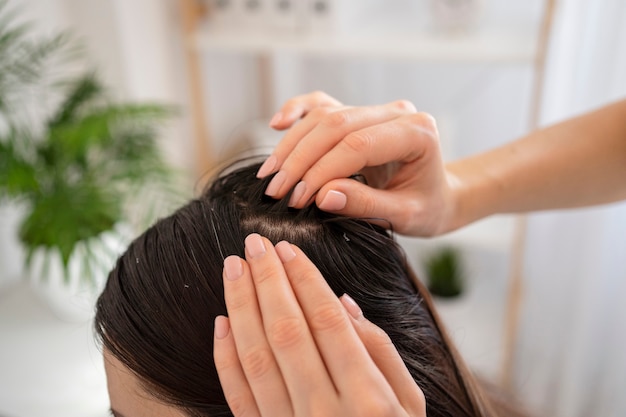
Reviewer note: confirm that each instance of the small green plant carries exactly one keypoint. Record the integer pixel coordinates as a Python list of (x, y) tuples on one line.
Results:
[(444, 273), (74, 158)]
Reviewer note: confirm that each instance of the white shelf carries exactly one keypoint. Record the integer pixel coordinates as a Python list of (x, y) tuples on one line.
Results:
[(505, 46), (493, 234)]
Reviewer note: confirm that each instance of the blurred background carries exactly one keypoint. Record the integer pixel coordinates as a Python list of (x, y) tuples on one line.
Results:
[(533, 303)]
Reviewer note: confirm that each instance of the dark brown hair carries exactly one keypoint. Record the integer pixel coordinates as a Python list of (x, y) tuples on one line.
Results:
[(157, 310)]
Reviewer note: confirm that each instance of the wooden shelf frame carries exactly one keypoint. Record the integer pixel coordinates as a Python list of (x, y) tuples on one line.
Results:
[(505, 47)]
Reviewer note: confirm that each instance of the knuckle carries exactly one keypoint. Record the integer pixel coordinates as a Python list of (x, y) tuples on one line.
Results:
[(297, 159), (303, 276), (224, 362), (262, 273), (286, 332), (367, 203), (378, 342), (236, 403), (292, 103), (424, 123), (257, 362), (328, 317), (411, 213), (380, 337), (429, 118), (319, 113), (323, 410), (319, 95), (358, 142), (335, 119), (377, 406), (405, 105), (420, 400), (238, 302)]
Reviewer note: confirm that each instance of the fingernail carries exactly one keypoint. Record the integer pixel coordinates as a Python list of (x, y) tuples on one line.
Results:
[(255, 245), (276, 119), (333, 201), (276, 183), (297, 193), (267, 167), (222, 327), (285, 251), (232, 267), (351, 306)]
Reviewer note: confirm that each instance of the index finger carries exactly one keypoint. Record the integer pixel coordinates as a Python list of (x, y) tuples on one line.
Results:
[(404, 139), (318, 134), (342, 350), (300, 106), (285, 326)]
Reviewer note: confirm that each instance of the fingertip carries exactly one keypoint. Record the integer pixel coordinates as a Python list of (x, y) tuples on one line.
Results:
[(285, 251), (283, 121), (334, 200), (427, 121), (267, 167), (290, 116), (233, 267), (276, 119), (222, 327), (406, 105), (276, 183), (297, 194), (286, 117), (255, 245), (351, 306)]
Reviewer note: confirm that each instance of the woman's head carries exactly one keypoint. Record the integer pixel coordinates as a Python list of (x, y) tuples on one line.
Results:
[(155, 316)]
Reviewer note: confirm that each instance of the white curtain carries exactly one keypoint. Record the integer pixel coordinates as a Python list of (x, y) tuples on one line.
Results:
[(571, 357)]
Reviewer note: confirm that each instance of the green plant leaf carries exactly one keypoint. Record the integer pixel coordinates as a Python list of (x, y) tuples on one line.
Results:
[(80, 161), (18, 175), (444, 273), (81, 92), (69, 215)]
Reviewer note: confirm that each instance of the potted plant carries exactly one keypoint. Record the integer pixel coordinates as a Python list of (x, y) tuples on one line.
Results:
[(443, 273), (78, 162)]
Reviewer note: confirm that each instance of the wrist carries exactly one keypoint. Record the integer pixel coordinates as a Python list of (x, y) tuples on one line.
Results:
[(453, 211), (470, 195)]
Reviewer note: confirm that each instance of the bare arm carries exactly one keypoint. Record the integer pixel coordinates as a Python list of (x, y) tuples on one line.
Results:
[(579, 162)]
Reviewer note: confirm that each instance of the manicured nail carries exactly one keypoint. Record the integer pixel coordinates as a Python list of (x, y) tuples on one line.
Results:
[(351, 306), (267, 167), (222, 327), (297, 193), (285, 251), (333, 201), (255, 245), (276, 183), (276, 119), (232, 267)]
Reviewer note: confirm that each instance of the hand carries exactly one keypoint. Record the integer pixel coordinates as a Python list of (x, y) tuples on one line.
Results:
[(393, 145), (291, 348)]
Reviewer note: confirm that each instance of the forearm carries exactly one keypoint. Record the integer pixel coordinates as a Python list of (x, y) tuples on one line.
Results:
[(579, 162)]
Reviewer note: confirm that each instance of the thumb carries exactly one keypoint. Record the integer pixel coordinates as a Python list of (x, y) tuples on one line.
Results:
[(354, 199)]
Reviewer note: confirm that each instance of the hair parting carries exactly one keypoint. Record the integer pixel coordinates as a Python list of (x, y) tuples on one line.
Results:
[(157, 316)]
